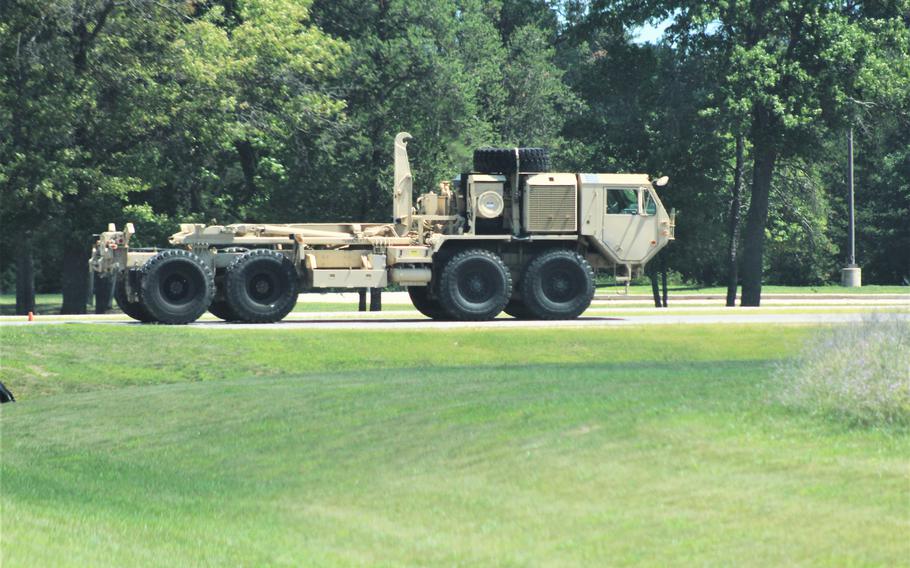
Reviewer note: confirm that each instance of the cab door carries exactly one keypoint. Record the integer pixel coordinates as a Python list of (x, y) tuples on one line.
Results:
[(630, 223)]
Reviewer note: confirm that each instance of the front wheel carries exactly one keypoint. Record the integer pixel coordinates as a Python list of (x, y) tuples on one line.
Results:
[(558, 284), (475, 285)]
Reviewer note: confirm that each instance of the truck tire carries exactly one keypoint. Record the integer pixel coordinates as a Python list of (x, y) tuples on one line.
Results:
[(221, 310), (502, 160), (135, 310), (430, 307), (177, 287), (558, 284), (261, 286), (518, 310), (475, 285)]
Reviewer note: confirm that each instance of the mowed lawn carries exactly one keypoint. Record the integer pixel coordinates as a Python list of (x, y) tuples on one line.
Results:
[(149, 445)]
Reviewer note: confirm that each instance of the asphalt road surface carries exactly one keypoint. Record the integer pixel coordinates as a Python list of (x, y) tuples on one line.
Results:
[(408, 321)]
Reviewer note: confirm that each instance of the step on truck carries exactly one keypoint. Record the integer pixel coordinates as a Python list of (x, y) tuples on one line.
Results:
[(510, 236)]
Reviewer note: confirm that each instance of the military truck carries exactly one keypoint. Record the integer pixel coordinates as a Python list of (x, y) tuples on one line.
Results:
[(509, 236)]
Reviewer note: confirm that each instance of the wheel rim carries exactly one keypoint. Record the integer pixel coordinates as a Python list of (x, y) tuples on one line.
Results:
[(477, 283), (178, 288), (561, 282), (264, 286)]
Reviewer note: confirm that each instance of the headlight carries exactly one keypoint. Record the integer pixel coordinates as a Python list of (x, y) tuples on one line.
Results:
[(489, 205)]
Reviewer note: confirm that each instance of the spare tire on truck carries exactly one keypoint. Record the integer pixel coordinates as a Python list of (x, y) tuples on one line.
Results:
[(502, 160), (177, 287)]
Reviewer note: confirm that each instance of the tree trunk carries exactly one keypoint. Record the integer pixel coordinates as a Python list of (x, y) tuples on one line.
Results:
[(247, 155), (735, 204), (75, 279), (25, 278), (754, 234)]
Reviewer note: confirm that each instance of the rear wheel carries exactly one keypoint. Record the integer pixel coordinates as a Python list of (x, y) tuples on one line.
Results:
[(558, 284), (135, 310), (518, 310), (430, 307), (475, 285), (177, 287), (261, 286), (221, 310)]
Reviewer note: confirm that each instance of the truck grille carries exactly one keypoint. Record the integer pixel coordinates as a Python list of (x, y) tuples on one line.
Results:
[(551, 209)]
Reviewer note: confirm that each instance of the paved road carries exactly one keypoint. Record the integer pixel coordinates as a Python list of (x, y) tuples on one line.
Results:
[(406, 321), (612, 298)]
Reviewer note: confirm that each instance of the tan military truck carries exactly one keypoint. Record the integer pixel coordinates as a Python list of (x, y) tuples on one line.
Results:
[(510, 236)]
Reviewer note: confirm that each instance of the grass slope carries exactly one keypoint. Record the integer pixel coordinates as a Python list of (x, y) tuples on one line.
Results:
[(575, 447)]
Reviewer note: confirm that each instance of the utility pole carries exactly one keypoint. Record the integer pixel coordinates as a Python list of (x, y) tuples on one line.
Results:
[(851, 275)]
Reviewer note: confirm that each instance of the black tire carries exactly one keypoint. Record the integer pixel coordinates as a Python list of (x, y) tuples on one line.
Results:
[(221, 310), (6, 395), (474, 285), (558, 284), (518, 310), (261, 286), (430, 307), (135, 310), (502, 160), (177, 287)]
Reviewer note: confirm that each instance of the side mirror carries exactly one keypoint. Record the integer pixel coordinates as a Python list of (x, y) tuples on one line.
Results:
[(661, 181)]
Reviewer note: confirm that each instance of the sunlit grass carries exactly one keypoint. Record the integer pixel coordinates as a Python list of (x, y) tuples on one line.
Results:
[(149, 445), (859, 373)]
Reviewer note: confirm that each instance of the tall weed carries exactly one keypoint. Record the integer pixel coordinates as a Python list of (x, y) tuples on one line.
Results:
[(858, 372)]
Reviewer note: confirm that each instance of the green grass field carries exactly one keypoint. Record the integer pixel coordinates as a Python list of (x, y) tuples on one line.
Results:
[(649, 446)]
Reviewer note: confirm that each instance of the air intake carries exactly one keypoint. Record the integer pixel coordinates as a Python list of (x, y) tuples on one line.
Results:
[(551, 209)]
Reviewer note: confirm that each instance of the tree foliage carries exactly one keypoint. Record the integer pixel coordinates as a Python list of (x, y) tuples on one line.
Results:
[(165, 111)]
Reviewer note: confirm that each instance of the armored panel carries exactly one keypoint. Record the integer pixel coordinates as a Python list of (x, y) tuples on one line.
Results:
[(551, 208)]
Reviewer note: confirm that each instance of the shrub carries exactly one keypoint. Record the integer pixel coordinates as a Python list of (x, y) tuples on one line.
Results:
[(858, 372)]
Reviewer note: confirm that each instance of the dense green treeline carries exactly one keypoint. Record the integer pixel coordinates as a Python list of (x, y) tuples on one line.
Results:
[(159, 112)]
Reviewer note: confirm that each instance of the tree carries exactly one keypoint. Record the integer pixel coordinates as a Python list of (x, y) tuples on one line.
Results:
[(643, 112), (794, 69), (733, 231), (882, 195), (440, 70), (146, 104)]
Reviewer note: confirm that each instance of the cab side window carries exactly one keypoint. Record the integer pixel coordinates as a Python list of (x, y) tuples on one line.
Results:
[(622, 202), (648, 207)]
